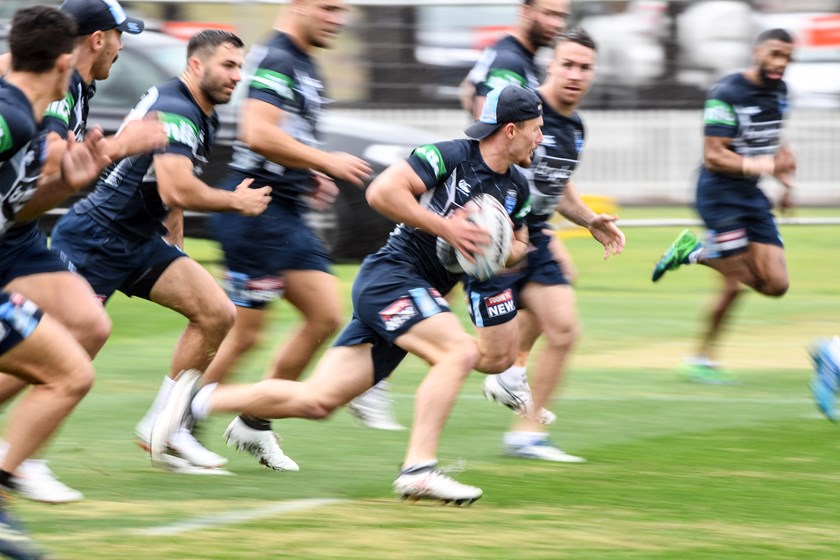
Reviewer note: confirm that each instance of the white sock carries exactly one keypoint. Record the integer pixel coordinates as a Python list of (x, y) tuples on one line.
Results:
[(694, 256), (200, 405), (161, 398), (513, 375), (518, 439)]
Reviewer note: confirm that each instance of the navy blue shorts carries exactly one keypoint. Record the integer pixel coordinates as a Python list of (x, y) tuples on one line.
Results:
[(258, 249), (18, 318), (27, 257), (389, 297), (495, 301), (108, 261), (736, 221)]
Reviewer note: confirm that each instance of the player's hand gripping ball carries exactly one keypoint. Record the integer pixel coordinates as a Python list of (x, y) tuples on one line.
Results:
[(487, 212)]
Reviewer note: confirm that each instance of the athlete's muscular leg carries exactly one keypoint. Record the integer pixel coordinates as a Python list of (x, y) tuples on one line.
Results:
[(723, 307), (341, 375), (762, 267), (316, 295), (245, 334), (442, 342), (498, 346), (553, 307), (186, 287), (60, 371), (69, 299)]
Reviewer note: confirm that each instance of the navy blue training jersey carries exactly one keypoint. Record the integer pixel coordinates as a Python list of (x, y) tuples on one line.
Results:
[(126, 197), (555, 160), (65, 115), (286, 77), (749, 114), (22, 153), (71, 113), (507, 62), (453, 172)]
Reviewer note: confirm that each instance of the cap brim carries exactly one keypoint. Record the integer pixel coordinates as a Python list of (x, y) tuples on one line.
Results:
[(131, 25), (481, 130)]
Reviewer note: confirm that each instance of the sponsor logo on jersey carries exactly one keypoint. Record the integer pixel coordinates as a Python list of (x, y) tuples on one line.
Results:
[(500, 304), (432, 155), (270, 80), (180, 129), (398, 313), (464, 187), (719, 112), (60, 109), (6, 141)]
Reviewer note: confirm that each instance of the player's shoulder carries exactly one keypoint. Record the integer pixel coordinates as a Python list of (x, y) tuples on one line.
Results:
[(729, 88), (278, 54), (444, 157), (17, 126), (511, 55), (173, 97)]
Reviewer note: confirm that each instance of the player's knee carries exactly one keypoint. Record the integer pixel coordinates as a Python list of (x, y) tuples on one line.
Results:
[(562, 336), (99, 332), (774, 287), (317, 409), (217, 317), (777, 289), (325, 326), (78, 381)]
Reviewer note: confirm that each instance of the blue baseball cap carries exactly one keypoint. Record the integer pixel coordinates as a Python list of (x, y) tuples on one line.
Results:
[(506, 104), (100, 15)]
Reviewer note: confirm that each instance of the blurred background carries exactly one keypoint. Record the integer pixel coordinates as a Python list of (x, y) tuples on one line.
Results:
[(395, 71)]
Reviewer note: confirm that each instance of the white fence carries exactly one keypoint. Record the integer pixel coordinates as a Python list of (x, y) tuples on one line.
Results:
[(651, 157)]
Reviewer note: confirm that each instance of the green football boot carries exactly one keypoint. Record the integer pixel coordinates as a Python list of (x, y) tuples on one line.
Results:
[(677, 254)]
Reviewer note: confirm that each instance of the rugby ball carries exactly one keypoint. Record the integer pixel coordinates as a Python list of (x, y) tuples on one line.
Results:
[(487, 212)]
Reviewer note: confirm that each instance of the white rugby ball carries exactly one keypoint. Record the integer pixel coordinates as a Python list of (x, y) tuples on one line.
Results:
[(487, 212)]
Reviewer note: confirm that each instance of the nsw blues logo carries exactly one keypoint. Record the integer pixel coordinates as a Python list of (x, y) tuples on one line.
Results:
[(510, 201), (578, 141)]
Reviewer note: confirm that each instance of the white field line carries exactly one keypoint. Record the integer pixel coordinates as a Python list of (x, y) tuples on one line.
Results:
[(643, 398), (230, 518)]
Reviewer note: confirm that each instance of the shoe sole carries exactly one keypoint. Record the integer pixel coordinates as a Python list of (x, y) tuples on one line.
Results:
[(414, 498)]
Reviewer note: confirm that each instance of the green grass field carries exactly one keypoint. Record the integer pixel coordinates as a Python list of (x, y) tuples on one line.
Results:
[(676, 469)]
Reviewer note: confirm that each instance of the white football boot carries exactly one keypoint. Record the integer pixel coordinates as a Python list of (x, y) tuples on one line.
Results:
[(262, 444), (543, 450), (35, 481), (375, 409), (516, 397), (431, 483)]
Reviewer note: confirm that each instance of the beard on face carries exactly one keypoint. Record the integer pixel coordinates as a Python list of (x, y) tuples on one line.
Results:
[(766, 79), (214, 91), (537, 37)]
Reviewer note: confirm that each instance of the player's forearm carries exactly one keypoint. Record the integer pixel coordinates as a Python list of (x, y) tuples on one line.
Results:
[(51, 192), (399, 205), (519, 247), (573, 208), (194, 194), (174, 225), (282, 148)]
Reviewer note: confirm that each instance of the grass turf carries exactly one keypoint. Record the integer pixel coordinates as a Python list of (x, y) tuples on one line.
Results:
[(676, 469)]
